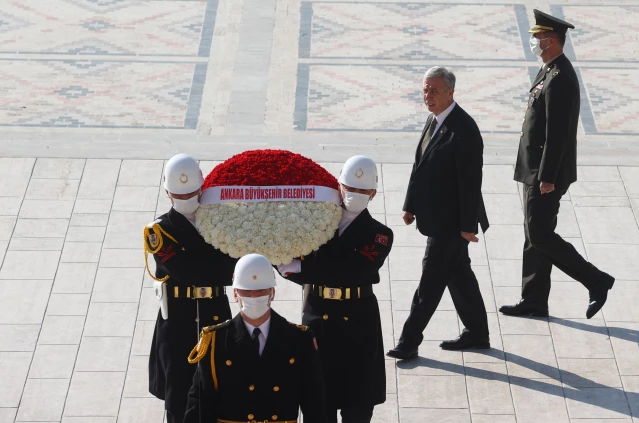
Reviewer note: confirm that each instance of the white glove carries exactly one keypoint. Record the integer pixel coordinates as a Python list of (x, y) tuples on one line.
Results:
[(295, 266)]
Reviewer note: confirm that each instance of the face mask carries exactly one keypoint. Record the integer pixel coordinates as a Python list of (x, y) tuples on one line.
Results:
[(534, 45), (255, 307), (355, 202), (186, 206)]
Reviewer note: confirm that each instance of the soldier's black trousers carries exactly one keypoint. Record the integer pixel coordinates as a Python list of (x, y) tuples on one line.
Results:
[(544, 248), (173, 417), (446, 263), (360, 414)]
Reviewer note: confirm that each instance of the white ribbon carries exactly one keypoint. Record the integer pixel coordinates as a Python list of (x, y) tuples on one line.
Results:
[(257, 194)]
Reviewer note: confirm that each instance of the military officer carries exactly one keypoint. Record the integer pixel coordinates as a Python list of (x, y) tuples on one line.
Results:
[(341, 308), (190, 282), (546, 166), (257, 367)]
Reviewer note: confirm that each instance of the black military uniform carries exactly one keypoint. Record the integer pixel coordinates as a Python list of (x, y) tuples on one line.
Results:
[(548, 153), (343, 312), (195, 274), (234, 384)]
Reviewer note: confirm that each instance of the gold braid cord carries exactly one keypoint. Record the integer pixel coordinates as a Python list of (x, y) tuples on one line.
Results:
[(154, 248), (206, 339)]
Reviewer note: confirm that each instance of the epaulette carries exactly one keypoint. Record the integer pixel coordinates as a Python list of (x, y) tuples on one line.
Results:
[(301, 327), (153, 240), (207, 337), (216, 327)]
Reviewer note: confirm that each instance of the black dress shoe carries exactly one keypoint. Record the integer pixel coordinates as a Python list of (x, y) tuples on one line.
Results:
[(401, 352), (466, 341), (525, 308), (599, 296)]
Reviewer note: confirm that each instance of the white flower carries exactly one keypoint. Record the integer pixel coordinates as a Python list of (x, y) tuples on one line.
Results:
[(279, 230)]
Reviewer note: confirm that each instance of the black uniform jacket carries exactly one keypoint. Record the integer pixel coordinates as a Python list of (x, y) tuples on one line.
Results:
[(188, 262), (548, 144), (444, 190), (349, 332), (234, 383)]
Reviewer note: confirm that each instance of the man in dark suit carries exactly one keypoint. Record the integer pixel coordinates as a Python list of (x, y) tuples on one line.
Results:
[(257, 367), (547, 165), (444, 195)]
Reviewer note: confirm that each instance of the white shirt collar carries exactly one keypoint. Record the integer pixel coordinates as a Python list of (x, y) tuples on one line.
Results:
[(443, 115), (264, 327), (552, 60)]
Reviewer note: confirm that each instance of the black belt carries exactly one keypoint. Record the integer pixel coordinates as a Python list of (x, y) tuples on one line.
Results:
[(198, 292), (329, 293)]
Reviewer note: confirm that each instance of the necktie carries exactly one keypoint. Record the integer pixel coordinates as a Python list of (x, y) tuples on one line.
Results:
[(255, 340), (428, 135)]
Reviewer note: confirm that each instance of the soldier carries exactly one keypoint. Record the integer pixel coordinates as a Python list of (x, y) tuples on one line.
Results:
[(547, 165), (341, 308), (257, 367), (190, 283)]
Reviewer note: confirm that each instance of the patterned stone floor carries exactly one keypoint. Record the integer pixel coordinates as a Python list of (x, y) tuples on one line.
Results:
[(96, 94)]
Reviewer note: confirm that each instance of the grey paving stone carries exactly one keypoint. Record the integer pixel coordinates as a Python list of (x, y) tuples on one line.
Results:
[(618, 260), (10, 206), (125, 229), (598, 189), (598, 174), (144, 410), (89, 219), (53, 362), (418, 415), (608, 225), (121, 257), (8, 415), (503, 209), (142, 338), (141, 173), (43, 400), (99, 179), (623, 336), (504, 241), (488, 389), (597, 402), (75, 278), (36, 244), (7, 224), (42, 265), (135, 198), (111, 319), (136, 384), (52, 189), (103, 354), (432, 391), (92, 206), (41, 228), (39, 209), (61, 330), (589, 373), (621, 305), (580, 338), (23, 301), (48, 168), (530, 356), (14, 367), (81, 252), (539, 400), (117, 285), (94, 394), (85, 234), (18, 338), (630, 176)]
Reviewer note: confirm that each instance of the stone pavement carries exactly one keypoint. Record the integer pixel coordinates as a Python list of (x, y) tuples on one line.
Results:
[(97, 94)]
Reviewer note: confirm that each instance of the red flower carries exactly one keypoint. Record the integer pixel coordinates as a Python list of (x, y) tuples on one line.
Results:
[(269, 167)]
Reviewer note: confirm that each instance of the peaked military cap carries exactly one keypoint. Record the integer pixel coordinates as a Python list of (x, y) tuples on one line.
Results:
[(545, 22)]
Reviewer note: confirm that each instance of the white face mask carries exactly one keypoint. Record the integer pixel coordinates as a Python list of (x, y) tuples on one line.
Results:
[(355, 202), (535, 45), (186, 206), (255, 307)]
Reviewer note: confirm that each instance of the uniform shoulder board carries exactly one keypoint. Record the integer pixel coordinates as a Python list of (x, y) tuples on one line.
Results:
[(150, 225), (213, 328), (301, 327)]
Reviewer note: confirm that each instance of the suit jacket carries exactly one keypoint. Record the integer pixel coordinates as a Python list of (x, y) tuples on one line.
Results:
[(548, 143), (444, 190), (350, 337), (188, 262), (234, 383)]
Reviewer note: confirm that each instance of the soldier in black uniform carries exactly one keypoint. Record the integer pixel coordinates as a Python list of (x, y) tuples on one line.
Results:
[(191, 276), (341, 307), (547, 165), (257, 367)]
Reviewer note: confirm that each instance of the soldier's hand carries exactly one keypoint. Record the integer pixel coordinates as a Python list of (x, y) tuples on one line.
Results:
[(408, 217), (469, 236), (545, 187)]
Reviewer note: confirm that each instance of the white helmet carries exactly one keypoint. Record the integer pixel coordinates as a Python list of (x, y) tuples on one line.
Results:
[(359, 172), (182, 175), (253, 272)]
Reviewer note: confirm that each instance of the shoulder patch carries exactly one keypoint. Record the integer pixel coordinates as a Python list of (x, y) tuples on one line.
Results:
[(301, 327), (381, 239), (213, 328)]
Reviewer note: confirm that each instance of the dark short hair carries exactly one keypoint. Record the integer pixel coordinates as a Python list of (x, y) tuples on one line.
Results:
[(559, 36)]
